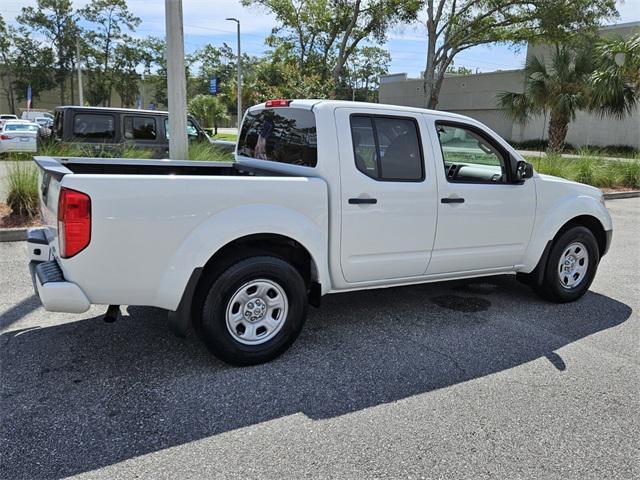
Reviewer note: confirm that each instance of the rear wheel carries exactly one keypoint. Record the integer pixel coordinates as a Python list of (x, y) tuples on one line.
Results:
[(571, 266), (254, 310)]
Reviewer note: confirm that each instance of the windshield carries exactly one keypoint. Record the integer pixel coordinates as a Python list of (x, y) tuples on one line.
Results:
[(20, 127)]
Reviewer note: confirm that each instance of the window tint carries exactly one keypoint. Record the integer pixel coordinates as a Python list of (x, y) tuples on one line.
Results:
[(285, 135), (469, 157), (93, 126), (387, 148), (139, 128)]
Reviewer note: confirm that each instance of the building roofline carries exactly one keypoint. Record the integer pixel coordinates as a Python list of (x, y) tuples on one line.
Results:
[(615, 26)]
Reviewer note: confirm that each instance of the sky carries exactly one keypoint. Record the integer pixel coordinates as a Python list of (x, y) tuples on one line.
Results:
[(204, 22)]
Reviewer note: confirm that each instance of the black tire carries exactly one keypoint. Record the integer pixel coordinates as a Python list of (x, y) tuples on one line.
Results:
[(213, 322), (552, 288)]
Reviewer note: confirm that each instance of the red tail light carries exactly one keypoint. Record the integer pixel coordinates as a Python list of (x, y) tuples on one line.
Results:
[(74, 222), (279, 102), (5, 137)]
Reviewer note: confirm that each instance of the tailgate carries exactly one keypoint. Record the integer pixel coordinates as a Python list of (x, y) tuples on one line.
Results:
[(50, 176)]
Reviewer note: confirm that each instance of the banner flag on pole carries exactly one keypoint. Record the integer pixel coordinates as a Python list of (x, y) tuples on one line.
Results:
[(29, 97)]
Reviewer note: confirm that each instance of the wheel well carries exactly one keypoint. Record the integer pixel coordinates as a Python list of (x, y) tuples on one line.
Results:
[(264, 243), (593, 224)]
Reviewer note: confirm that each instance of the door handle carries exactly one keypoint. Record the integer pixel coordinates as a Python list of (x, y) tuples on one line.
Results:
[(361, 201), (452, 200)]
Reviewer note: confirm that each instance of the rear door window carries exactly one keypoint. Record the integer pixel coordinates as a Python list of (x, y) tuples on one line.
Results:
[(94, 126), (284, 135), (140, 128), (387, 148)]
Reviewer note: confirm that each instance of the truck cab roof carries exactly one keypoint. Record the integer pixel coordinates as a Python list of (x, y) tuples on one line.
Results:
[(313, 104)]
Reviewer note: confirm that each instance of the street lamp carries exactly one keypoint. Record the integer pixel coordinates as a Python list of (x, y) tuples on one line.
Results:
[(239, 74)]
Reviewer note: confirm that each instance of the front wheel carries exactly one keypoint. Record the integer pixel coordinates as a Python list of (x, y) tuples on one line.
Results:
[(254, 311), (571, 266)]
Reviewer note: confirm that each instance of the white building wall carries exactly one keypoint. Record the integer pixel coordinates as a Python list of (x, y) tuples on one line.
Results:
[(476, 96)]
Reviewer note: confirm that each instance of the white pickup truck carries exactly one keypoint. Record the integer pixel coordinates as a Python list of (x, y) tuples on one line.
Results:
[(324, 197)]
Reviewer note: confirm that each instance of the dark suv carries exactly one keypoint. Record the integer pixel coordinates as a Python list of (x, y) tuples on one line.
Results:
[(108, 130)]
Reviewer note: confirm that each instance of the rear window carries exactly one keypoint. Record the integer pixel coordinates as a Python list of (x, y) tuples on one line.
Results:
[(93, 126), (285, 135), (20, 127)]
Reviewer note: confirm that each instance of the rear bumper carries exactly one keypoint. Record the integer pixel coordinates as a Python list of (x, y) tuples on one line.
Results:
[(54, 291), (18, 147)]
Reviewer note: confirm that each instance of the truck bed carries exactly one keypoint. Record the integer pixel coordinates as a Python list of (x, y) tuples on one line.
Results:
[(154, 221), (60, 166)]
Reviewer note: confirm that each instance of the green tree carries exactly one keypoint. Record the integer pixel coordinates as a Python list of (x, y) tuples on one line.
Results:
[(110, 20), (560, 88), (321, 35), (125, 78), (56, 21), (208, 110), (24, 62), (155, 68), (7, 61), (457, 25), (616, 81), (364, 70), (453, 70)]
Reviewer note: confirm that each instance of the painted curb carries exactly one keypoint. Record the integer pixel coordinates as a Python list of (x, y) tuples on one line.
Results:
[(13, 234), (617, 195)]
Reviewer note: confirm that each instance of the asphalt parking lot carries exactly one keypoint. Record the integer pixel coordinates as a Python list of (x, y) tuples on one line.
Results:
[(476, 380)]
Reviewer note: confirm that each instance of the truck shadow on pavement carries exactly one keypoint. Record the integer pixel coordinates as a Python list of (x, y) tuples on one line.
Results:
[(84, 395)]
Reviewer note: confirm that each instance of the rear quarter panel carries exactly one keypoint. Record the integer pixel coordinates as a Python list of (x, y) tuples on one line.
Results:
[(149, 232)]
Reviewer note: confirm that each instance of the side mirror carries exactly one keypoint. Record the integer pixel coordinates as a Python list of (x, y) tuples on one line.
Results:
[(524, 170)]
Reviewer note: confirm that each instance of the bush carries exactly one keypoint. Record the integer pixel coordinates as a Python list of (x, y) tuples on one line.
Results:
[(591, 170), (208, 153), (630, 174), (22, 183), (593, 150)]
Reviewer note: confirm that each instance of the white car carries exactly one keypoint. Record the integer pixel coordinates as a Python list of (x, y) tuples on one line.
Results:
[(19, 136), (324, 197), (6, 116)]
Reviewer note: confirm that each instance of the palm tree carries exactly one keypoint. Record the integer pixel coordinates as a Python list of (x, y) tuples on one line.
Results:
[(616, 80), (560, 88), (209, 111)]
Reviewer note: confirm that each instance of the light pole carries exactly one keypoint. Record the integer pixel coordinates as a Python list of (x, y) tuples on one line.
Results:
[(239, 75), (176, 81), (78, 64)]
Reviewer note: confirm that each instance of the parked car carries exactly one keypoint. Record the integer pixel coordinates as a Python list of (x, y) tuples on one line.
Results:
[(6, 116), (324, 197), (18, 136), (112, 128), (35, 114)]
